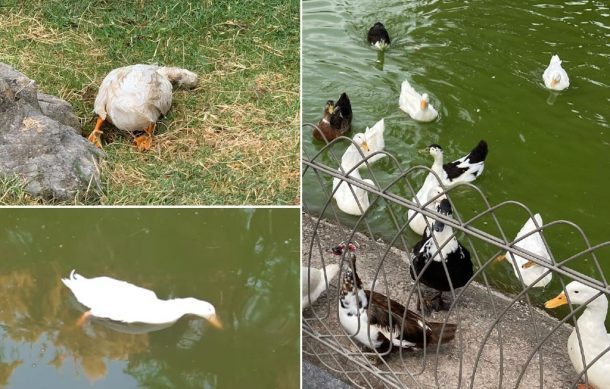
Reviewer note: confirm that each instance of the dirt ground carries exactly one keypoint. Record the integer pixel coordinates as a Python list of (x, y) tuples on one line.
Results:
[(486, 353)]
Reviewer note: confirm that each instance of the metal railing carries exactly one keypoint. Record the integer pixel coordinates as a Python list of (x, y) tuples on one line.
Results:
[(503, 339)]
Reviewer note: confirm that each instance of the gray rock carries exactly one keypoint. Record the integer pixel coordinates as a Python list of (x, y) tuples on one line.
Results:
[(40, 141)]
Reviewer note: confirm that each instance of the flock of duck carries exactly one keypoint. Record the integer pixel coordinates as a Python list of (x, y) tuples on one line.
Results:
[(439, 260)]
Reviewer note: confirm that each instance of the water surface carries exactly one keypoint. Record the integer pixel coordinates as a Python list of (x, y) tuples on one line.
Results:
[(244, 261), (481, 63)]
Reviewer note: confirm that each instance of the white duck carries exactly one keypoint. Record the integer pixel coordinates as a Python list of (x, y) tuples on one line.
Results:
[(593, 334), (554, 76), (369, 142), (134, 97), (465, 169), (317, 283), (415, 105), (430, 200), (530, 271), (353, 203), (121, 301)]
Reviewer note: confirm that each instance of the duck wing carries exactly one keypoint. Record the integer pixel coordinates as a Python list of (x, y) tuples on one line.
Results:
[(341, 117), (374, 137), (414, 333), (473, 161), (409, 99)]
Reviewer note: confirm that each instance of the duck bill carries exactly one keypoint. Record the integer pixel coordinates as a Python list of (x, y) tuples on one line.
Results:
[(423, 104), (528, 264), (553, 83), (424, 151), (215, 322), (500, 258), (557, 301), (365, 147)]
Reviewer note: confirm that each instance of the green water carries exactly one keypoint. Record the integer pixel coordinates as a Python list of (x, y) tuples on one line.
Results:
[(482, 65), (244, 261)]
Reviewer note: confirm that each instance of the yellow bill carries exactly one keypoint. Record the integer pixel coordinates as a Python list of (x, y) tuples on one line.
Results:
[(557, 301)]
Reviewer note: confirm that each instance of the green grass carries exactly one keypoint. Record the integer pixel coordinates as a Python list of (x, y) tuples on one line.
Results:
[(232, 140)]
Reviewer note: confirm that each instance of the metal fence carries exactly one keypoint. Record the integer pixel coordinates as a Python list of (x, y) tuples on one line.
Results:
[(505, 338)]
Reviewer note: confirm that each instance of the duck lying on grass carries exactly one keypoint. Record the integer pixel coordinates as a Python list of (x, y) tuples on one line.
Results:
[(134, 97)]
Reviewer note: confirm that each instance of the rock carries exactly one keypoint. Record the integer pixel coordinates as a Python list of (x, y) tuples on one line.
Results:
[(40, 141)]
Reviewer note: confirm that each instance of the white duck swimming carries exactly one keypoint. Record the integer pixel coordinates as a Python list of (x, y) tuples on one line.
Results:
[(134, 97), (317, 283), (530, 271), (430, 199), (415, 105), (369, 142), (593, 334), (353, 203), (554, 76), (124, 302)]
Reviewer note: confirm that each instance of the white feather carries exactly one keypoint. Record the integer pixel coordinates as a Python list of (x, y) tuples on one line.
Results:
[(410, 102), (375, 141), (317, 283), (555, 71)]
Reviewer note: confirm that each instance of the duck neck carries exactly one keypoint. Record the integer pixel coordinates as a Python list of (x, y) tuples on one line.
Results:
[(442, 237), (175, 308), (437, 166), (592, 319)]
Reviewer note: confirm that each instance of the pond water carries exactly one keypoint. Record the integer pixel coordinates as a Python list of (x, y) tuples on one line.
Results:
[(244, 261), (482, 64)]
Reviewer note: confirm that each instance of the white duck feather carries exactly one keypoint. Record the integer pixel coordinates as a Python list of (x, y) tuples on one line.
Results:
[(368, 142), (121, 301), (415, 105), (317, 283), (554, 76)]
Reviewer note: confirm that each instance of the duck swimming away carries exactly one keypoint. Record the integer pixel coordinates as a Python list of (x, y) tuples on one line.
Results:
[(121, 301), (378, 36)]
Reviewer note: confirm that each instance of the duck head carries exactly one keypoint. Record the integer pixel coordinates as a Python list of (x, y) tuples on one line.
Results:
[(444, 208), (329, 108), (555, 80), (350, 277), (423, 104), (360, 140), (202, 309), (434, 150), (578, 294)]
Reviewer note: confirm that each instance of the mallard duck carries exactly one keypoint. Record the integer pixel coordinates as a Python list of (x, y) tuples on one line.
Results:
[(134, 97), (554, 76), (430, 200), (336, 121), (529, 271), (415, 105), (465, 169), (369, 142), (351, 199), (451, 254), (593, 334), (317, 282), (378, 36), (378, 325), (121, 301)]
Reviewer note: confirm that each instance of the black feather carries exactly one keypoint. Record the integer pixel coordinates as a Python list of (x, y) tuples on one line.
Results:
[(378, 33)]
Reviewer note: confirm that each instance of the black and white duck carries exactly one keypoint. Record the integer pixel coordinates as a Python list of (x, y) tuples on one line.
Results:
[(376, 321), (336, 120), (451, 254), (378, 36), (465, 169)]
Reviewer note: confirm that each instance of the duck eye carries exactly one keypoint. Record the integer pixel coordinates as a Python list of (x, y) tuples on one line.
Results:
[(576, 291)]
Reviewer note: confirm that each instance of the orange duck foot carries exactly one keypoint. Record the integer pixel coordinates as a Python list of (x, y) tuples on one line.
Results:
[(96, 135), (83, 318), (583, 386), (143, 142)]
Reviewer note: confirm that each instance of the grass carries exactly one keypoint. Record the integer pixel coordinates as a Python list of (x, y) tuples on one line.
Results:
[(232, 140)]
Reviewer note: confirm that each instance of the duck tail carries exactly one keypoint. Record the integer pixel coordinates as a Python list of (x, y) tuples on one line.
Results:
[(555, 59), (479, 153), (344, 106), (439, 334), (179, 77)]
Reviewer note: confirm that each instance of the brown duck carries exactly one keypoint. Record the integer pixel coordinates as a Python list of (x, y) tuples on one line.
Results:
[(336, 121), (376, 321)]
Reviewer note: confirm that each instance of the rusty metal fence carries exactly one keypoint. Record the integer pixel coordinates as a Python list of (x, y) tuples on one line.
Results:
[(505, 336)]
